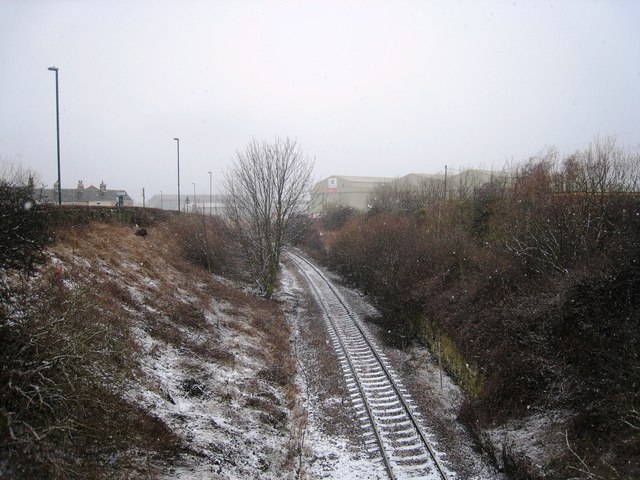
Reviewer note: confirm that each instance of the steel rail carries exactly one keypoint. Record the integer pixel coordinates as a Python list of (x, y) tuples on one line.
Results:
[(407, 409), (345, 351)]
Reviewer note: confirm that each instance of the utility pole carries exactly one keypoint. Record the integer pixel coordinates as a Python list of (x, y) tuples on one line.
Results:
[(445, 182), (178, 147), (55, 69), (210, 197)]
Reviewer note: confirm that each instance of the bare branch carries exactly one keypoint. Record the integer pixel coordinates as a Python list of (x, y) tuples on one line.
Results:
[(265, 192)]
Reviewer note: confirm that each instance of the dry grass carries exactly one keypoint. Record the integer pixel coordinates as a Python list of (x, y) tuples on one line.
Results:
[(106, 280), (66, 357)]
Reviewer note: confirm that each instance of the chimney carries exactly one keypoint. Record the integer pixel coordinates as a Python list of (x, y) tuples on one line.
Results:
[(103, 187), (80, 186)]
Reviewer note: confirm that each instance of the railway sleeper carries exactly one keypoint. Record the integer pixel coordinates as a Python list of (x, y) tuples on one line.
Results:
[(416, 447), (385, 404), (413, 459), (366, 366), (384, 398), (373, 376), (376, 385), (390, 411), (374, 391), (375, 371), (386, 419), (406, 440), (403, 428), (366, 361), (379, 386), (360, 349)]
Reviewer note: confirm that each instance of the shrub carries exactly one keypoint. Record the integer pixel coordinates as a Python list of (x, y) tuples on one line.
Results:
[(335, 216), (204, 241), (534, 280), (23, 229), (63, 359)]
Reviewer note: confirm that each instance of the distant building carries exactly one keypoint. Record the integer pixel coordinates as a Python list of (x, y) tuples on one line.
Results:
[(86, 196), (342, 190), (188, 203), (355, 192)]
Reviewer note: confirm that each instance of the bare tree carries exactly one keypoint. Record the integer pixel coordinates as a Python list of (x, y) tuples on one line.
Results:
[(265, 193)]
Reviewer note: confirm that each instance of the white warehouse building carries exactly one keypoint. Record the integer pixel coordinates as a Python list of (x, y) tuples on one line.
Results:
[(350, 191)]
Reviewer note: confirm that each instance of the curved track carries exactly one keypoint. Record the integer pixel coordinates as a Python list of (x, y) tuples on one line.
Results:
[(389, 420)]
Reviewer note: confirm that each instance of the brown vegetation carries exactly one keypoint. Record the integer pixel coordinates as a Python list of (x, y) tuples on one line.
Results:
[(531, 285), (65, 360), (68, 353)]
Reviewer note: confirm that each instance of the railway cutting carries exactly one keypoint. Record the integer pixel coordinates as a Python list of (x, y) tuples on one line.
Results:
[(390, 422)]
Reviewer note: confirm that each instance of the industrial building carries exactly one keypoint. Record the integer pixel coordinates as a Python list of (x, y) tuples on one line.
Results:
[(355, 192), (200, 203), (347, 191)]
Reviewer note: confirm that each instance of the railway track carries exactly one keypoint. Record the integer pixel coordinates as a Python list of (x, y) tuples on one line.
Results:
[(388, 418)]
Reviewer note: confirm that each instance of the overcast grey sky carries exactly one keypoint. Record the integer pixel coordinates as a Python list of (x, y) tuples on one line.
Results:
[(379, 88)]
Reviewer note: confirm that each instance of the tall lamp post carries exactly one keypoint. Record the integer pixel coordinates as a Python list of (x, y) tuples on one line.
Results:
[(195, 199), (178, 146), (210, 197), (55, 69)]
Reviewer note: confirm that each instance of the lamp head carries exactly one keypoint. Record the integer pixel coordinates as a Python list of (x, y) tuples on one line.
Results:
[(177, 139), (53, 69)]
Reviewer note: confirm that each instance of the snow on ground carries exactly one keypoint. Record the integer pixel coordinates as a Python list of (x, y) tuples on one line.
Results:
[(538, 437), (204, 356), (332, 447), (340, 454), (206, 372), (233, 422), (534, 439), (208, 412)]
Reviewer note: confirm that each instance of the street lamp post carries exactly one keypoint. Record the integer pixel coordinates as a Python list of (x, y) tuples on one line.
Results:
[(178, 147), (210, 197), (161, 202), (55, 69), (195, 199)]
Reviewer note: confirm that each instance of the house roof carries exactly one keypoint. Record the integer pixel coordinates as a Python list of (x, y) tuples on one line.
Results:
[(85, 195)]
